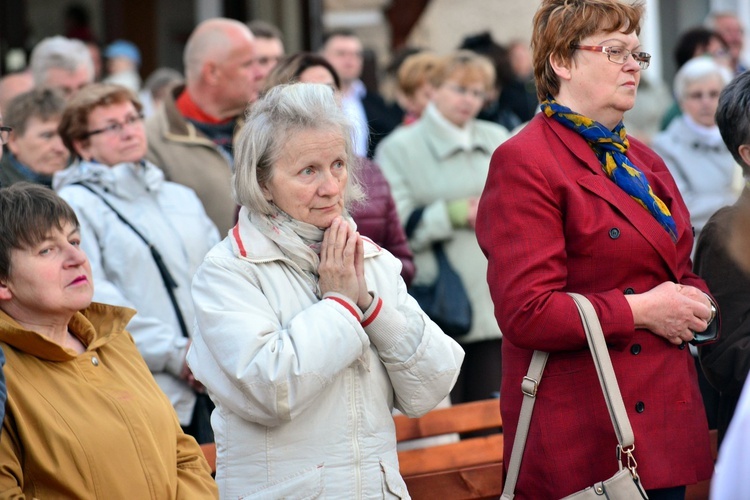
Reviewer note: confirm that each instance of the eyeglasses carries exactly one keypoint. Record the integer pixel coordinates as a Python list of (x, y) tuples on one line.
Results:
[(5, 134), (116, 128), (463, 91), (619, 55), (698, 95)]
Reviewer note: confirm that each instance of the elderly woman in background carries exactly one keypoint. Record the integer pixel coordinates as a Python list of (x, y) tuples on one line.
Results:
[(85, 418), (35, 150), (437, 168), (702, 166), (376, 215), (145, 237), (306, 338), (573, 204)]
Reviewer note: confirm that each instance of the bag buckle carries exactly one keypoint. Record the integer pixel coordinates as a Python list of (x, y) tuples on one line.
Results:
[(529, 386), (631, 464)]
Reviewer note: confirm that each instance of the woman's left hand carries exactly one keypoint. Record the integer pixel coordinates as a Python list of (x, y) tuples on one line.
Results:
[(365, 299), (341, 268)]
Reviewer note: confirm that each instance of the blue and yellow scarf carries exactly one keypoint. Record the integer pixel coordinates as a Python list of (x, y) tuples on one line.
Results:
[(610, 147)]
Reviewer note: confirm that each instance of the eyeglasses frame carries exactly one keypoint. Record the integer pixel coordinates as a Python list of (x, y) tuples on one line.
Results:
[(642, 58), (117, 127)]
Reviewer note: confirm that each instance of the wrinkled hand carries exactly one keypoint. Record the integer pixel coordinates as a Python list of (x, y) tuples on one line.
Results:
[(671, 311), (341, 268), (471, 219)]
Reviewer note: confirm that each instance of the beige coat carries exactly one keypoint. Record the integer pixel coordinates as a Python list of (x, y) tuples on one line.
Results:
[(427, 166)]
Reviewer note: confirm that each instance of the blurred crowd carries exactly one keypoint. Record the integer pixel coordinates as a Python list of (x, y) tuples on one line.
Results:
[(149, 167)]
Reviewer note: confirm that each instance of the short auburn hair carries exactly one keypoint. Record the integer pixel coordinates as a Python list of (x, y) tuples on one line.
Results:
[(74, 125), (560, 24)]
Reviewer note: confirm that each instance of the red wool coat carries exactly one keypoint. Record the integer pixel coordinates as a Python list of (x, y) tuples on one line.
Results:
[(551, 221)]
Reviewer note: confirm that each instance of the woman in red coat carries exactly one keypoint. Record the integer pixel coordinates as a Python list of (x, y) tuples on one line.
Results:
[(574, 205)]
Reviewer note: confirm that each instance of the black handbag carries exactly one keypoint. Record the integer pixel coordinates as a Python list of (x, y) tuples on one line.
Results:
[(445, 301)]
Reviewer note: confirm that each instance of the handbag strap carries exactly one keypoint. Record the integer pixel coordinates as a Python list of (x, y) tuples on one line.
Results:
[(169, 282), (610, 389)]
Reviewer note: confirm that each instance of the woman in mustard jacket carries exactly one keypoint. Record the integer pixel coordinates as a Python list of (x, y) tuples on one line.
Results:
[(85, 418)]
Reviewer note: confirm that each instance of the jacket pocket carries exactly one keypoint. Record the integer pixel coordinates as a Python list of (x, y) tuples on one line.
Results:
[(392, 482), (304, 485)]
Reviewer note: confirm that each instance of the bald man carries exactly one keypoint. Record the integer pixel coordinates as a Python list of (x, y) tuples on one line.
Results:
[(190, 135)]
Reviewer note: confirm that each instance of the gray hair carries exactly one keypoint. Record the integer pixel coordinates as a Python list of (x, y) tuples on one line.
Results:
[(697, 69), (281, 112), (59, 52), (733, 117)]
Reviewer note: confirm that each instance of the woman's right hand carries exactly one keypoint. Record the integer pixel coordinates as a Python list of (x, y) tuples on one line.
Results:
[(671, 311), (337, 253)]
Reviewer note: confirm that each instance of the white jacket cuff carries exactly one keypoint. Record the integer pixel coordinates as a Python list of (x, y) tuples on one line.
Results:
[(383, 324)]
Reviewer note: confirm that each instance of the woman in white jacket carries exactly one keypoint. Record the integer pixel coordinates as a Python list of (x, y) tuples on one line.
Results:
[(306, 337), (122, 202)]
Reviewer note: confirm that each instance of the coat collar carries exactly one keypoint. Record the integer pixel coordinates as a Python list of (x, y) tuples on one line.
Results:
[(602, 186), (95, 326), (442, 139), (176, 127), (124, 180)]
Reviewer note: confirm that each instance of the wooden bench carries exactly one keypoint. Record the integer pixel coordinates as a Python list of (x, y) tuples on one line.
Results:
[(470, 468)]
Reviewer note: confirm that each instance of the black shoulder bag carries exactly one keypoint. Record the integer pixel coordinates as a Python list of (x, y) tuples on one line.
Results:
[(445, 301)]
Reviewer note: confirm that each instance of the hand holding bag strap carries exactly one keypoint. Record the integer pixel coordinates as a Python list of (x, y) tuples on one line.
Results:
[(607, 379)]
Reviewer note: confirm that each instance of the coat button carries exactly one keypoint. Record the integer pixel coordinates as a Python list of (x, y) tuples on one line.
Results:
[(639, 407), (635, 349), (683, 345), (614, 233), (95, 361), (629, 291)]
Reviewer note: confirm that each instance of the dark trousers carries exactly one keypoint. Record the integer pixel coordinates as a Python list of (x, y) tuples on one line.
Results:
[(200, 425), (480, 373), (676, 493)]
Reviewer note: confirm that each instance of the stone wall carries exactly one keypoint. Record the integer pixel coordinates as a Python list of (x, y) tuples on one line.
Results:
[(446, 22)]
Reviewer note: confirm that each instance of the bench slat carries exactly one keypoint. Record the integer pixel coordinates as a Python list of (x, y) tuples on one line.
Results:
[(481, 482), (465, 453), (477, 415)]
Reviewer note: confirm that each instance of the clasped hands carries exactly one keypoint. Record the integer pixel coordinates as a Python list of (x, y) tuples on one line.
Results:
[(672, 311), (342, 268)]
